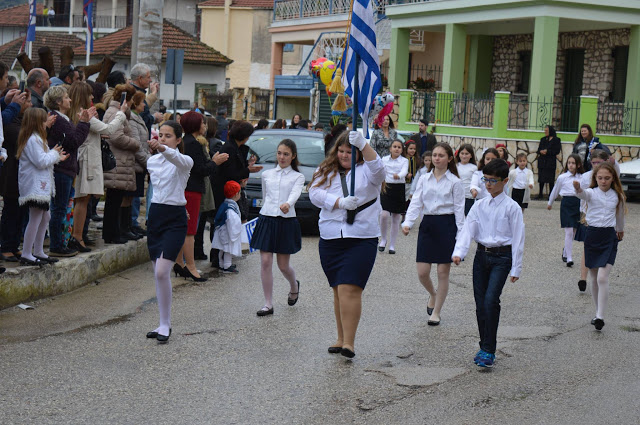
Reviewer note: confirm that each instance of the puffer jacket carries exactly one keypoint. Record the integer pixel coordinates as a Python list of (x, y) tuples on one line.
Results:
[(124, 146), (139, 131)]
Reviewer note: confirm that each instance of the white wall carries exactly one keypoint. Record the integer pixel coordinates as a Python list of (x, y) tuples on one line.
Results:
[(8, 34)]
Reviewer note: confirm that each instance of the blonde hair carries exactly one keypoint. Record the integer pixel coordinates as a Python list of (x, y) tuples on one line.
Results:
[(33, 122), (80, 94), (53, 97)]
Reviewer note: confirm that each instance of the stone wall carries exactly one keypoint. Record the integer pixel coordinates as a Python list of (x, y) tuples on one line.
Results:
[(598, 60), (621, 153)]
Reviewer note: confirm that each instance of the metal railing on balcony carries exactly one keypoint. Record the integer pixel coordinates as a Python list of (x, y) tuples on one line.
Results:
[(526, 114), (464, 109), (424, 106), (284, 10), (619, 118), (62, 21)]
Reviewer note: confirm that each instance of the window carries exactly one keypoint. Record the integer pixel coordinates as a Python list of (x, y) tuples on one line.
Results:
[(620, 63), (288, 47), (524, 75)]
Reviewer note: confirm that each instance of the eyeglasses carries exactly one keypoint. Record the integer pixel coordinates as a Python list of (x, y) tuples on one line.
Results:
[(490, 181)]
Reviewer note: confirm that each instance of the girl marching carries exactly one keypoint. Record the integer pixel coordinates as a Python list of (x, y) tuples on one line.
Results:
[(605, 220), (570, 205), (278, 230), (466, 164), (167, 226), (440, 197), (35, 183), (349, 229), (392, 198)]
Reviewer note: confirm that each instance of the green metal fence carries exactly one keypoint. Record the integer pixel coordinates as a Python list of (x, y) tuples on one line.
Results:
[(619, 118)]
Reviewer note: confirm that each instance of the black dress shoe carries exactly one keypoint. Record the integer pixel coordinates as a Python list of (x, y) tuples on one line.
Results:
[(293, 301), (49, 260), (569, 263), (433, 322), (334, 350), (117, 240), (179, 271), (162, 339), (11, 259), (598, 323), (593, 321), (582, 285), (152, 334), (130, 236), (381, 248), (264, 311), (392, 251), (138, 231), (27, 262), (75, 244), (189, 275), (347, 353)]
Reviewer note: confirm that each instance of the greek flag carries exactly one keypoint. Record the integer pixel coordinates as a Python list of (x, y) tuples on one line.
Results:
[(87, 11), (362, 40), (31, 27)]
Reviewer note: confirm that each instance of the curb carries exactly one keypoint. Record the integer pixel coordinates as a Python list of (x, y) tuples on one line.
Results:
[(22, 284)]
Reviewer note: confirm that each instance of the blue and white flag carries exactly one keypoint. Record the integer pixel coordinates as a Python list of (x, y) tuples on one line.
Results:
[(362, 39), (31, 27), (87, 10)]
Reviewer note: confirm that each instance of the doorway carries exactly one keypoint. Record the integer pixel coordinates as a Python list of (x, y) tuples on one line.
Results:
[(573, 73)]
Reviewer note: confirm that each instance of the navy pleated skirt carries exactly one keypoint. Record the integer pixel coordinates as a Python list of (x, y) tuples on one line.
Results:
[(436, 239), (600, 247), (393, 199), (166, 231), (581, 233), (468, 203), (277, 234), (570, 212), (348, 260)]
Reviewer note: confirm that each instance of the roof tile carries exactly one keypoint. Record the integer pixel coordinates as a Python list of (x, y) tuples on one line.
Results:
[(54, 40), (195, 51), (17, 16)]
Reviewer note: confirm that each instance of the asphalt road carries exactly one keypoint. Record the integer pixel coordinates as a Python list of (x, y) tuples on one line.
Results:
[(83, 357)]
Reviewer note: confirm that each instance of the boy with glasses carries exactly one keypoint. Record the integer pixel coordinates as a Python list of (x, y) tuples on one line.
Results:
[(495, 223)]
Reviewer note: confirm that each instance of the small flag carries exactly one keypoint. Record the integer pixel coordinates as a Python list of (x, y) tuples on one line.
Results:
[(31, 27), (87, 11), (362, 39)]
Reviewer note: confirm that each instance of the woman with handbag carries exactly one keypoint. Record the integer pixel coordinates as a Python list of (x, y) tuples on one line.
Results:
[(90, 180)]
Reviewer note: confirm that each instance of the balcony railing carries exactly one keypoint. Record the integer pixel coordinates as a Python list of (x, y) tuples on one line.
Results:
[(62, 21), (619, 118), (284, 10)]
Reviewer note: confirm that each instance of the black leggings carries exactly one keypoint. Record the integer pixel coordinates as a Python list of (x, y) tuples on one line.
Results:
[(542, 188)]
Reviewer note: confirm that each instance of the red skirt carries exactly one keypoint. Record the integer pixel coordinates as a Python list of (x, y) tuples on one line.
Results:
[(193, 209)]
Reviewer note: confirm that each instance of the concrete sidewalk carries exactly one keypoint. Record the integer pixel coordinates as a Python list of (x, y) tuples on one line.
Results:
[(20, 284)]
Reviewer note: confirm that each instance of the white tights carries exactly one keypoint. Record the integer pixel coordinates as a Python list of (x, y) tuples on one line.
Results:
[(600, 288), (266, 274), (162, 271), (34, 234), (384, 226), (224, 259), (569, 233)]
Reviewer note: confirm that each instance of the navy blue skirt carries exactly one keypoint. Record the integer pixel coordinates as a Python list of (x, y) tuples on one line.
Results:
[(166, 231), (277, 234), (393, 199), (570, 212), (436, 239), (468, 203), (581, 233), (600, 247), (348, 260)]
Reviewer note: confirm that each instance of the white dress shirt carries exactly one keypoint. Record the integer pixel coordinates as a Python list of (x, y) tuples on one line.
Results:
[(421, 172), (333, 221), (279, 186), (494, 222), (169, 172), (477, 184), (437, 197), (465, 171), (521, 180), (399, 166), (601, 208), (585, 183), (564, 186)]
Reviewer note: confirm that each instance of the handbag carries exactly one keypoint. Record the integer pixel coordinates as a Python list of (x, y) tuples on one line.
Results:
[(108, 159)]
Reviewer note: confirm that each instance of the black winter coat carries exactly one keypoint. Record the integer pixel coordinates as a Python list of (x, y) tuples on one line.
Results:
[(236, 168), (553, 148), (202, 166), (9, 171)]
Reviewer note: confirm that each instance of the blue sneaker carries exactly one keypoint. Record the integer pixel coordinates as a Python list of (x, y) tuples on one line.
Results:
[(477, 357), (486, 360)]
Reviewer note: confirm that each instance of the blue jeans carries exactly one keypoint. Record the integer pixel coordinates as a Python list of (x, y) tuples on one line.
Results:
[(59, 203), (135, 211), (490, 273)]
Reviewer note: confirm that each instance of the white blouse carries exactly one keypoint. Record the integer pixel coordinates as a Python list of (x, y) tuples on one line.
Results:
[(494, 222), (399, 166), (333, 221), (465, 171), (169, 172), (279, 186), (601, 208), (433, 197), (476, 183), (564, 186), (521, 180)]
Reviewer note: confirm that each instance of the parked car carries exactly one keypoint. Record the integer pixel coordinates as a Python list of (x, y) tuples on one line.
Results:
[(630, 177), (263, 144)]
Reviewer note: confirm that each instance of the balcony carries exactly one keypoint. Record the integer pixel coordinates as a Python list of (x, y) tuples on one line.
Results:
[(100, 22), (288, 10)]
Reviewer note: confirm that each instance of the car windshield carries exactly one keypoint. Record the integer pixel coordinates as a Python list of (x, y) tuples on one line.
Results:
[(264, 147)]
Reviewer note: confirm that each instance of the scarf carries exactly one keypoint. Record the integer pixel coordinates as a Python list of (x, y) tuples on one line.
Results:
[(221, 214)]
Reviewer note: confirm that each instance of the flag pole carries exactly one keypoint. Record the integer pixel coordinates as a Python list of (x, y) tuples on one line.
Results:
[(354, 119)]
